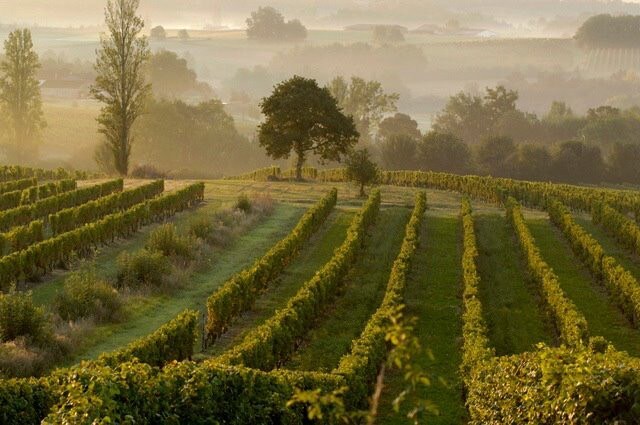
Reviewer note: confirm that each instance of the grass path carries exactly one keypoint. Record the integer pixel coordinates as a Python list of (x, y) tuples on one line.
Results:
[(603, 317), (515, 321), (314, 255), (157, 310), (433, 296), (331, 337)]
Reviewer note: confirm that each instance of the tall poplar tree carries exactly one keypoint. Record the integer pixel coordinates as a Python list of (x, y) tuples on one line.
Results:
[(120, 84), (20, 100)]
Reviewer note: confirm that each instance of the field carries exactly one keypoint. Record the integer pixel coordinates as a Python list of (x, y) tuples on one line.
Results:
[(267, 288)]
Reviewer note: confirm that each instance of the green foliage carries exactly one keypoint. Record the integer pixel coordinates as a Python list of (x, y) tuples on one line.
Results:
[(398, 152), (84, 295), (570, 324), (165, 239), (120, 84), (361, 169), (607, 31), (621, 285), (243, 204), (44, 256), (26, 213), (301, 117), (20, 317), (398, 124), (360, 367), (20, 99), (365, 101), (443, 152), (267, 24), (172, 341), (143, 268), (238, 293), (262, 174), (268, 344)]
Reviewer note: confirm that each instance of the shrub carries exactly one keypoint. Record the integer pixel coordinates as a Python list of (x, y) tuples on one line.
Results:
[(165, 239), (20, 317), (142, 268), (147, 171), (243, 204), (203, 228), (85, 295)]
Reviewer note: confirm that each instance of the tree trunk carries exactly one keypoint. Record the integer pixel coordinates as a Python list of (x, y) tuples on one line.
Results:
[(299, 164), (362, 194)]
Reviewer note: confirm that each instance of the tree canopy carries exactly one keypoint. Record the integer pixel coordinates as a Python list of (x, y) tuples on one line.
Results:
[(609, 31), (268, 24), (361, 169), (365, 101), (20, 100), (302, 118), (171, 77)]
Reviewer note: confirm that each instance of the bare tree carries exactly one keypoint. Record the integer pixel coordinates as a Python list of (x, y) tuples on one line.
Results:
[(120, 84)]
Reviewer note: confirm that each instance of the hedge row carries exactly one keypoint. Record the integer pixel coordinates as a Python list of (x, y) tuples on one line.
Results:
[(308, 173), (71, 218), (475, 343), (620, 283), (12, 186), (360, 367), (21, 237), (44, 256), (268, 344), (34, 193), (41, 209), (172, 341), (571, 326), (621, 227), (238, 294)]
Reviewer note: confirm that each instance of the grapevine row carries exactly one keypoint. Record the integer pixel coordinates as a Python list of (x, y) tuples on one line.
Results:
[(625, 230), (620, 283), (44, 256), (41, 209), (268, 344), (571, 326), (238, 294), (360, 366), (34, 193), (12, 186)]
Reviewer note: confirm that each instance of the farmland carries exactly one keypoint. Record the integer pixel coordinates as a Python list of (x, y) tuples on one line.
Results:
[(272, 287)]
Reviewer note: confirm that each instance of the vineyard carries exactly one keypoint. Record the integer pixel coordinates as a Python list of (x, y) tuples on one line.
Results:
[(257, 299)]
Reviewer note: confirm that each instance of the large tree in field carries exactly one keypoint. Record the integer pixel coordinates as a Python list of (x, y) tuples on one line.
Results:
[(303, 118), (120, 84), (20, 100)]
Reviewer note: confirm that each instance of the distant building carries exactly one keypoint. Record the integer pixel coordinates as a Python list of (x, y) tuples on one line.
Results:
[(65, 89)]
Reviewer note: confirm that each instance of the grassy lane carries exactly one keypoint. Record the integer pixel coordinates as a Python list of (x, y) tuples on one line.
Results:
[(511, 307), (331, 337), (315, 254), (433, 296), (611, 247), (154, 311), (603, 317)]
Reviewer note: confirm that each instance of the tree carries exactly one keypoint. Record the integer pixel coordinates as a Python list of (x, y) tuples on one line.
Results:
[(208, 139), (399, 152), (443, 152), (268, 24), (171, 77), (577, 162), (120, 84), (361, 170), (365, 101), (20, 100), (158, 33), (465, 117), (398, 124), (301, 117), (183, 35), (623, 163), (533, 163), (609, 31), (495, 156), (387, 34)]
